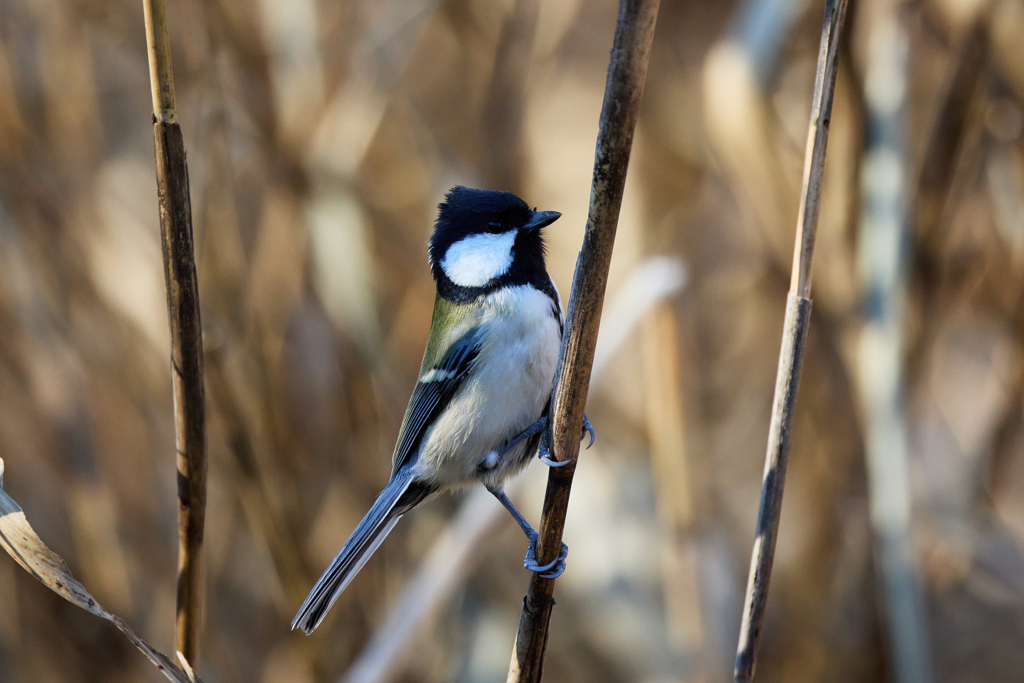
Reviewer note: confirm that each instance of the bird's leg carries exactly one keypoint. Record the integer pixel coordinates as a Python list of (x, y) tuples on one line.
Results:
[(544, 452), (499, 493), (550, 570), (537, 426)]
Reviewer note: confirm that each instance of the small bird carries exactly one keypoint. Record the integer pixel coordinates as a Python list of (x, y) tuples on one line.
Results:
[(479, 409)]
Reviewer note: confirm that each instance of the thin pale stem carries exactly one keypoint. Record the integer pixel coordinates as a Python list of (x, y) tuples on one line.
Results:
[(623, 91), (159, 47), (817, 141), (794, 337)]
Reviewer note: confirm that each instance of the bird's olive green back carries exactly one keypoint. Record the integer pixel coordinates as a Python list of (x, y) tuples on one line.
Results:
[(448, 325), (448, 317)]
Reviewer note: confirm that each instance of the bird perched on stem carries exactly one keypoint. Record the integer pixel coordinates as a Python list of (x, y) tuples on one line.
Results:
[(479, 409)]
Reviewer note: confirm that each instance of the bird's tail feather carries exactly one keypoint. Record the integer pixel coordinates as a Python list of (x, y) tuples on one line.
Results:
[(366, 538)]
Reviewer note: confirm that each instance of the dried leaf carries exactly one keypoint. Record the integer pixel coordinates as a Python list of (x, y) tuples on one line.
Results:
[(22, 543)]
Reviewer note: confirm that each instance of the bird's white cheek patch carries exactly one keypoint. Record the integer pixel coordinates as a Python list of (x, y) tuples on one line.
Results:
[(478, 259)]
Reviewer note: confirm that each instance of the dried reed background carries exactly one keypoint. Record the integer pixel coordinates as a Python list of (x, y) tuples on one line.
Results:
[(321, 135)]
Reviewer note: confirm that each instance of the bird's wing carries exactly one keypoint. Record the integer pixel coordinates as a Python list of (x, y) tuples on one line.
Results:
[(435, 389)]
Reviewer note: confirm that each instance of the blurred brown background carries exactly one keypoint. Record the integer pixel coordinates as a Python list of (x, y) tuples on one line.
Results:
[(321, 135)]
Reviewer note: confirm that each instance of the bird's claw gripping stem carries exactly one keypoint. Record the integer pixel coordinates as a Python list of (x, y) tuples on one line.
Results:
[(544, 453), (587, 427), (551, 570)]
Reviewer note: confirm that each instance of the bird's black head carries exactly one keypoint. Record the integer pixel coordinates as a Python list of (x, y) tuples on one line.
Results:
[(484, 240)]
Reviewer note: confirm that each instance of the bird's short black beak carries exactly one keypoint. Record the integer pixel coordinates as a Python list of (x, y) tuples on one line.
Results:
[(541, 219)]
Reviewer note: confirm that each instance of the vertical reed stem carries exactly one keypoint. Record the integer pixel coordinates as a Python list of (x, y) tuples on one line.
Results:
[(624, 87), (186, 331), (794, 337)]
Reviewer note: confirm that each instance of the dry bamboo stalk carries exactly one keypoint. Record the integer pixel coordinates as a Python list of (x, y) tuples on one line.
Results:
[(794, 337), (186, 331), (627, 73)]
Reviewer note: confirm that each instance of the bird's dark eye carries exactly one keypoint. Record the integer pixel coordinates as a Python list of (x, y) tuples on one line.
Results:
[(494, 226)]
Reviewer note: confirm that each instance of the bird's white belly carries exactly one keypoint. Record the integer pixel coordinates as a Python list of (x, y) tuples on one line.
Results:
[(505, 393)]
